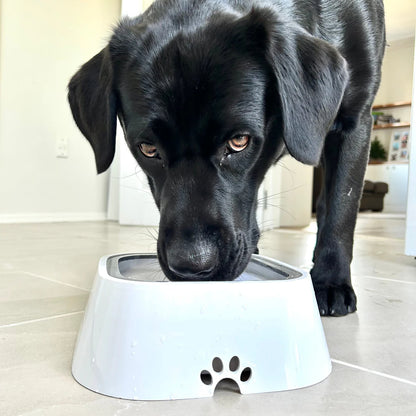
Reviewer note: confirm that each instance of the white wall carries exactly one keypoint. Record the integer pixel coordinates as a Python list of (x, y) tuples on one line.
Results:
[(396, 84), (411, 201), (147, 3), (42, 44), (397, 72)]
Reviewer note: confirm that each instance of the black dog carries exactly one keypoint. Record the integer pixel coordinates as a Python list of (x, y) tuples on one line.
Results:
[(211, 93)]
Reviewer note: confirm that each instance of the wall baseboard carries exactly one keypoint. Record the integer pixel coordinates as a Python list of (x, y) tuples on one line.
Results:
[(52, 217)]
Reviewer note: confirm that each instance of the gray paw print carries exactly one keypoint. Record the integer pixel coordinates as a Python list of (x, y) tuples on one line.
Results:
[(234, 371)]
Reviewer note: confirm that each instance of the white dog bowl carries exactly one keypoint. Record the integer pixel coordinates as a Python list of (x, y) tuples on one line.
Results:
[(159, 340)]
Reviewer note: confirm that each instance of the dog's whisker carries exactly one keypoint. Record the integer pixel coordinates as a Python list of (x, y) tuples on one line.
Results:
[(124, 176), (150, 233), (278, 194), (157, 276), (283, 165), (145, 233), (136, 189), (283, 210), (144, 237), (266, 223)]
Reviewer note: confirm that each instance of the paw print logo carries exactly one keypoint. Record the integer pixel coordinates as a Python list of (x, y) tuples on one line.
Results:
[(219, 372)]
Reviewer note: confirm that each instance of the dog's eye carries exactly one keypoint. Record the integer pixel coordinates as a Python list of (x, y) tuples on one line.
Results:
[(239, 143), (149, 150)]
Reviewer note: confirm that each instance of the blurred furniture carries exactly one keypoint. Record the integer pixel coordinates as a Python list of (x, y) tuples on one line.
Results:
[(373, 196), (396, 176)]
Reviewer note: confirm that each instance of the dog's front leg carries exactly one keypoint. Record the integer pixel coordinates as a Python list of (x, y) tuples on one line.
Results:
[(344, 161)]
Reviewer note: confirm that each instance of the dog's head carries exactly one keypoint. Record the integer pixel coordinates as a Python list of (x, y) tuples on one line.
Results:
[(205, 112)]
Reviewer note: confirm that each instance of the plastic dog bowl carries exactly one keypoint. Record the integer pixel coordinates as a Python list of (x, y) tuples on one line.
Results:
[(146, 338)]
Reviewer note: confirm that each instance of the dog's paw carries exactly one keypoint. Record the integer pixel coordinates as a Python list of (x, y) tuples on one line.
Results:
[(219, 371), (335, 300)]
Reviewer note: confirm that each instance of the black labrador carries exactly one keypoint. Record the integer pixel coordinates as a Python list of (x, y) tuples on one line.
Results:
[(211, 93)]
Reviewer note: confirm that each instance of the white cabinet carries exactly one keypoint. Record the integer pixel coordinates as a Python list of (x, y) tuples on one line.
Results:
[(285, 198), (130, 200), (395, 175), (411, 202)]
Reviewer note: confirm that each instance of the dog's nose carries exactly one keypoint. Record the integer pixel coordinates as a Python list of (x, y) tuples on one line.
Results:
[(194, 263)]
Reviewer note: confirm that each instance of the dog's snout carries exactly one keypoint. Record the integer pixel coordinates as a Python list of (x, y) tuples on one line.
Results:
[(192, 262)]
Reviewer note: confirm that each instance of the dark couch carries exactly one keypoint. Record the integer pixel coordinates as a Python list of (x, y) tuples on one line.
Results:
[(373, 196)]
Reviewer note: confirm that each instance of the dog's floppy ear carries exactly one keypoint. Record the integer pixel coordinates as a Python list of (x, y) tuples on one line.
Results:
[(94, 108), (311, 76)]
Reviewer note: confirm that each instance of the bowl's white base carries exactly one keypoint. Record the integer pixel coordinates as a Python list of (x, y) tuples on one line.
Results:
[(176, 340)]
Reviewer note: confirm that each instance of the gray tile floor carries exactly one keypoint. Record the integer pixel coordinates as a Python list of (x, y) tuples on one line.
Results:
[(46, 272)]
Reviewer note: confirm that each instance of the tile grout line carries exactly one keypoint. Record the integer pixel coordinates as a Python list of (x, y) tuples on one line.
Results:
[(47, 318), (377, 373), (56, 281), (358, 276), (384, 278), (363, 236), (303, 267), (11, 271)]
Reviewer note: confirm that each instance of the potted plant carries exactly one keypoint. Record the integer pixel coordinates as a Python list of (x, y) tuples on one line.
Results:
[(378, 153)]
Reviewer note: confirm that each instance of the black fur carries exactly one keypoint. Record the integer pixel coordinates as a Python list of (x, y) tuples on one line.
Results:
[(296, 76)]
